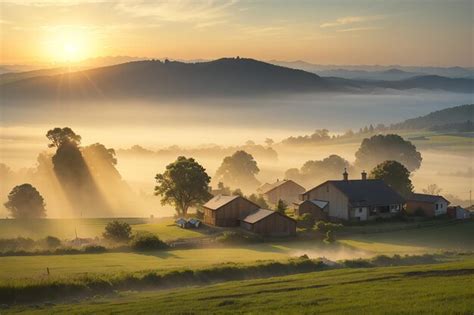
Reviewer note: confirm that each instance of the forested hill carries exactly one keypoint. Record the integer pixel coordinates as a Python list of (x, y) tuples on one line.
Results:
[(154, 78), (450, 119)]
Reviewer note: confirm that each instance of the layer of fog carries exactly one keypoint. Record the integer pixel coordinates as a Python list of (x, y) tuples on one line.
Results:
[(226, 122)]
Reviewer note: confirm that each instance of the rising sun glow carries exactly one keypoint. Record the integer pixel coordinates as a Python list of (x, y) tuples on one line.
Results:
[(68, 46)]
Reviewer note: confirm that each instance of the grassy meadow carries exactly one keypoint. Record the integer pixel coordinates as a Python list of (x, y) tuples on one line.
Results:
[(421, 289), (429, 239)]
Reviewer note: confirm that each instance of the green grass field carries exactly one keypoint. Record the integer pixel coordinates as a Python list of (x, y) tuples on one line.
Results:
[(423, 289), (417, 241), (89, 228)]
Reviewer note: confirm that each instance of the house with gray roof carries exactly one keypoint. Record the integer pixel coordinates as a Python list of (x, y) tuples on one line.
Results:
[(356, 199)]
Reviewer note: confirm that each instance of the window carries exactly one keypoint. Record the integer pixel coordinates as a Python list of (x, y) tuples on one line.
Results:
[(436, 206), (327, 188)]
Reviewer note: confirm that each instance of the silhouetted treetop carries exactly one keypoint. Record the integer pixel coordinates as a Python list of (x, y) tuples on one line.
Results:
[(59, 136)]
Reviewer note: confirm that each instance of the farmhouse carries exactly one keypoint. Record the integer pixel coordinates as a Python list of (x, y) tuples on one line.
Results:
[(430, 205), (317, 208), (286, 190), (269, 223), (359, 200), (226, 211)]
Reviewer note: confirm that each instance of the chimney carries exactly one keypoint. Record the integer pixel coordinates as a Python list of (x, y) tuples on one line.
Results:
[(364, 175), (345, 174)]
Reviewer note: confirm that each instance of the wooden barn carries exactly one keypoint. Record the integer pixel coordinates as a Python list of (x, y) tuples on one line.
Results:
[(317, 208), (226, 211), (286, 190), (269, 223), (430, 205)]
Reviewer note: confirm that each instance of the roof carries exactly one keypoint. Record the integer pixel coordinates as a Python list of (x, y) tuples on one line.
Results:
[(368, 192), (261, 214), (266, 188), (219, 201), (426, 198), (258, 215), (320, 203)]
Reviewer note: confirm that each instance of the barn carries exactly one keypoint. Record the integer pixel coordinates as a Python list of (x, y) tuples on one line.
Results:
[(225, 211), (269, 223), (285, 190), (317, 208)]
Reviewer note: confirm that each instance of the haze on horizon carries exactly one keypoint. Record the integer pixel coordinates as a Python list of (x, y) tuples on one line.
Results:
[(424, 33)]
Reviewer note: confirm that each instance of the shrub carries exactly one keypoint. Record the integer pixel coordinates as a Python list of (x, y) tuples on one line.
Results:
[(147, 241), (305, 221), (231, 237), (51, 242), (117, 231), (14, 244), (329, 237)]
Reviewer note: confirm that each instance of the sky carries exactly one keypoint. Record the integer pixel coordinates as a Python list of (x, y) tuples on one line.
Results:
[(423, 33)]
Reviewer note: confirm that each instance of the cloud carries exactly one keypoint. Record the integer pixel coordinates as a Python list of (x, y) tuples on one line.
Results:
[(201, 13), (349, 20), (355, 29)]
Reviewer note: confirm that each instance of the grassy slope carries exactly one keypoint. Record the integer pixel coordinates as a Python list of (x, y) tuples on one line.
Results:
[(401, 242), (66, 228), (429, 289)]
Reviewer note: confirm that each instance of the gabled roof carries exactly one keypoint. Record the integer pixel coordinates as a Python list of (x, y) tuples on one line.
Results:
[(266, 189), (258, 215), (261, 214), (426, 198), (368, 192), (320, 203), (219, 201)]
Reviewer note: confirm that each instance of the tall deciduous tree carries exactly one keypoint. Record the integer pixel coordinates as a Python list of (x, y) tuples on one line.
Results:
[(184, 184), (380, 148), (24, 201), (395, 175), (239, 170)]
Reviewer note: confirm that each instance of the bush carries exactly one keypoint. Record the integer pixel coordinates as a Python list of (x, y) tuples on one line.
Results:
[(231, 237), (15, 244), (51, 242), (305, 221), (117, 231), (329, 237), (146, 241)]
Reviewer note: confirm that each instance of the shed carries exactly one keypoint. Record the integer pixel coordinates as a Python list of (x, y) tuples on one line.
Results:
[(269, 223), (317, 208), (225, 211)]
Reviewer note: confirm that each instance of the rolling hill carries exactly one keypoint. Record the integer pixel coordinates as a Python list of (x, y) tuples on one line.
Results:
[(449, 116), (154, 79)]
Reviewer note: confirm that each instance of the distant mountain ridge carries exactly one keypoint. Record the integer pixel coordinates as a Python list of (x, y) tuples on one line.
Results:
[(154, 79)]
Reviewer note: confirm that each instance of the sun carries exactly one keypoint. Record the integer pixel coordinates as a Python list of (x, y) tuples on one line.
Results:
[(68, 46)]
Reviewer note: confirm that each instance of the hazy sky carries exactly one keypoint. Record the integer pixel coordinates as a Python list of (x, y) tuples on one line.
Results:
[(411, 32)]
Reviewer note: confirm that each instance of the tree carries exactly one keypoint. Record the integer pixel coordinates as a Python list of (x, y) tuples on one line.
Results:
[(395, 175), (269, 142), (58, 136), (380, 148), (281, 206), (238, 170), (184, 184), (24, 201), (432, 189), (117, 231), (328, 168), (258, 200)]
